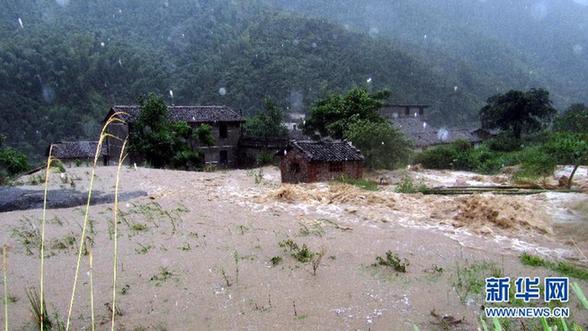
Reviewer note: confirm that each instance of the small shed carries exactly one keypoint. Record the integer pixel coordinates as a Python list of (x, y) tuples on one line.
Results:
[(314, 161), (72, 153)]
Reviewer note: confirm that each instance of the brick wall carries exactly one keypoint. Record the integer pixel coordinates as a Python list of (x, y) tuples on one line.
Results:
[(295, 168)]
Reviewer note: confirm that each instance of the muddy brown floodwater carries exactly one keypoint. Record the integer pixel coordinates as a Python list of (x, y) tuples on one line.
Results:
[(196, 252)]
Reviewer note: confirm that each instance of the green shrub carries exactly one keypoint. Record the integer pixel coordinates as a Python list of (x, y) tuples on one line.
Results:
[(535, 163), (407, 185), (436, 158), (265, 157), (58, 166), (457, 156), (12, 161), (504, 142)]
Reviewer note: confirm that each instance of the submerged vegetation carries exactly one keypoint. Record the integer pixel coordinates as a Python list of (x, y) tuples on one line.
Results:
[(392, 260), (562, 268)]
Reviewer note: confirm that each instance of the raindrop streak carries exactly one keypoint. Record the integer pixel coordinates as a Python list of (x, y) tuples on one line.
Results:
[(20, 23), (369, 80), (443, 134), (48, 94), (102, 44), (171, 93), (222, 91)]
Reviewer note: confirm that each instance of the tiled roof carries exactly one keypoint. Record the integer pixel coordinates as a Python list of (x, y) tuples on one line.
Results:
[(333, 151), (76, 150), (423, 134), (190, 114)]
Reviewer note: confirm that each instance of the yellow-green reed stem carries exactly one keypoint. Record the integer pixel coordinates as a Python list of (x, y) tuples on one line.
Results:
[(43, 219), (91, 285), (103, 135), (5, 273), (121, 159)]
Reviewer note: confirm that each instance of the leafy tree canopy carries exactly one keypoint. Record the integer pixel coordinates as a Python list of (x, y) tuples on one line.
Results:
[(163, 143), (12, 162), (333, 115), (354, 116), (575, 119), (268, 123), (518, 112), (383, 146)]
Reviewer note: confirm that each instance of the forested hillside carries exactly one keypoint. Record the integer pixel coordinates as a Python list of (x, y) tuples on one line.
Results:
[(508, 44), (63, 63)]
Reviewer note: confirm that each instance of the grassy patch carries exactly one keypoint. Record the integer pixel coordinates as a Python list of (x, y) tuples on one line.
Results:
[(66, 242), (301, 254), (28, 235), (163, 276), (365, 184), (314, 229), (138, 227), (562, 268), (185, 247), (471, 279), (143, 249)]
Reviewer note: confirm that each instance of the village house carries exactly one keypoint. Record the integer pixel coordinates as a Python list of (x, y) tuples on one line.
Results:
[(77, 153), (410, 120), (312, 161), (225, 123)]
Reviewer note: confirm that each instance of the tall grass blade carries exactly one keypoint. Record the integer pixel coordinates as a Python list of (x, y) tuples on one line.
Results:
[(121, 159), (580, 294), (91, 257), (43, 220), (497, 326), (103, 135), (5, 277), (38, 313), (545, 325), (483, 323)]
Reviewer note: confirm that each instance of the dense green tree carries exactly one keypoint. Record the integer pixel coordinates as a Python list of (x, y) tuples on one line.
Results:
[(518, 112), (354, 116), (333, 115), (575, 119), (383, 146), (163, 143), (267, 124)]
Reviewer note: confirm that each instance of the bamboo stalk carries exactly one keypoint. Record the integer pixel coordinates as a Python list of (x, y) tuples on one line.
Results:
[(121, 158)]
